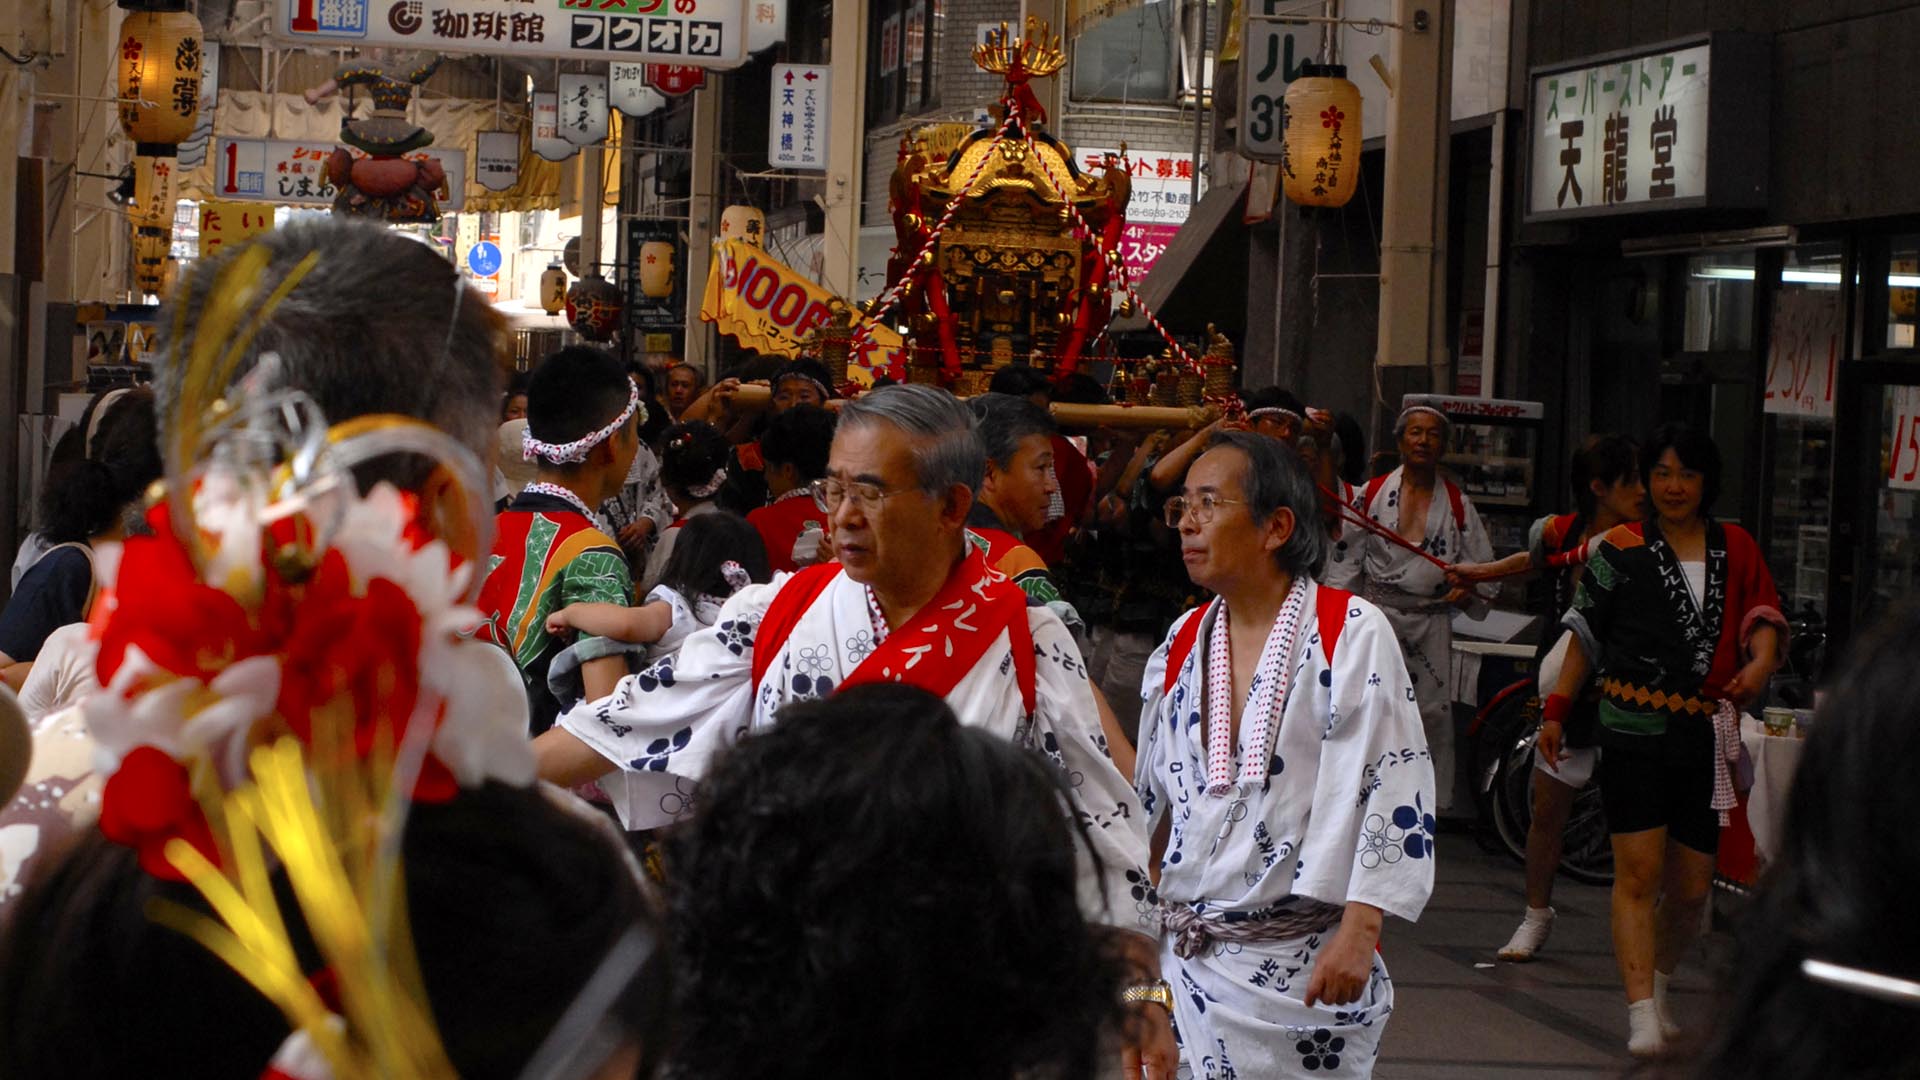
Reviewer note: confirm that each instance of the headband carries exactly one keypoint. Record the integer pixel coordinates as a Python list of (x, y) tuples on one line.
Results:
[(707, 489), (1408, 412), (576, 451), (99, 413), (825, 394), (1275, 412)]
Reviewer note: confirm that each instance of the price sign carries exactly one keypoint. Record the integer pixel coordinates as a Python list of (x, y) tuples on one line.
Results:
[(1903, 458), (1271, 54)]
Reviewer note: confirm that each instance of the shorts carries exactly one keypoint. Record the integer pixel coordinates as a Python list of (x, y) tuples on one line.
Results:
[(1576, 765), (1661, 782)]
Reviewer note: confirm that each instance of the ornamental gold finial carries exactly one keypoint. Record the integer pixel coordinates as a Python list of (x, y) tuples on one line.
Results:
[(1037, 52)]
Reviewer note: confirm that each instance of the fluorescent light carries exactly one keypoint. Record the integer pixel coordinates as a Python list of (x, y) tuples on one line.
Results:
[(1802, 277)]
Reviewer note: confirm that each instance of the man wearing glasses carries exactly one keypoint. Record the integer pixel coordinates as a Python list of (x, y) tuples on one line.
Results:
[(1286, 782), (911, 601)]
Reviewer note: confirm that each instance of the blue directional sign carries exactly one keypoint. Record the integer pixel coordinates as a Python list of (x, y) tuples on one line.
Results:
[(483, 258)]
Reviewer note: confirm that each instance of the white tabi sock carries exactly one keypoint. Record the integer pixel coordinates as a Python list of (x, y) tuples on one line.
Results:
[(1662, 1007), (1529, 937), (1644, 1037)]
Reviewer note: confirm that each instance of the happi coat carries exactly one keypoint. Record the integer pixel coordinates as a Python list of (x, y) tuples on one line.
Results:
[(678, 715), (1412, 591), (1344, 813)]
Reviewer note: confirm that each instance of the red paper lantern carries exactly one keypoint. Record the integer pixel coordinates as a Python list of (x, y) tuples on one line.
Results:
[(594, 306)]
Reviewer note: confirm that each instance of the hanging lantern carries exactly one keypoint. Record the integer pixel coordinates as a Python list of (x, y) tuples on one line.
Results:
[(743, 223), (152, 203), (1320, 133), (553, 288), (152, 249), (159, 65), (593, 307), (656, 269)]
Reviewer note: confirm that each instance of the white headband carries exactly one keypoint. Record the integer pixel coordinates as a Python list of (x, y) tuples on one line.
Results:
[(1406, 413), (711, 486), (1276, 412), (99, 413), (575, 451)]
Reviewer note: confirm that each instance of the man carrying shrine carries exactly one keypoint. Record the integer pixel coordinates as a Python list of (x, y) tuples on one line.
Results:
[(1285, 779), (910, 601)]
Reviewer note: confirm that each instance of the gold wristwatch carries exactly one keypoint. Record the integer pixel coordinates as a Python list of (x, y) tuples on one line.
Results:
[(1157, 992)]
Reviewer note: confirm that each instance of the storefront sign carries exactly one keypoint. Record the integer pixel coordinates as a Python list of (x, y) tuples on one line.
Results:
[(1162, 198), (1271, 54), (675, 80), (583, 109), (1681, 127), (1903, 462), (766, 24), (295, 173), (1803, 352), (797, 133), (703, 33), (496, 159), (768, 307), (194, 150), (547, 141), (628, 91), (1474, 409), (223, 223)]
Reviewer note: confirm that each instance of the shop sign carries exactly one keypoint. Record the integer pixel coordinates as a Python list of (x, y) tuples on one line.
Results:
[(547, 140), (628, 91), (1903, 464), (766, 24), (584, 116), (295, 173), (496, 159), (1803, 352), (1476, 409), (1162, 198), (702, 33), (194, 151), (1271, 54), (223, 223), (1647, 131), (797, 135), (675, 80)]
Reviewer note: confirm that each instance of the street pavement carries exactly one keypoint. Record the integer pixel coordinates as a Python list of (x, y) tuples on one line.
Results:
[(1461, 1014)]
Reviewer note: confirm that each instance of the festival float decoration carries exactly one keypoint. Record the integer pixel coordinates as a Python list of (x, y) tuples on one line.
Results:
[(386, 184)]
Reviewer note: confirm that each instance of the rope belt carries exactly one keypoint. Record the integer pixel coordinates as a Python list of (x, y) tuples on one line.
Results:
[(1193, 932)]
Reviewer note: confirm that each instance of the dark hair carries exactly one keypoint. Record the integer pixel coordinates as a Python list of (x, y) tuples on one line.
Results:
[(1276, 478), (705, 542), (802, 436), (574, 393), (656, 421), (1274, 397), (690, 453), (1003, 420), (1020, 380), (804, 368), (1840, 890), (90, 985), (869, 880), (1606, 458), (85, 497), (1696, 451), (699, 377), (1080, 388), (1353, 448)]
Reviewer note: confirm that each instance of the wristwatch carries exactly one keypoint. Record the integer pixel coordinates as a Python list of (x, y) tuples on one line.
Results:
[(1157, 992)]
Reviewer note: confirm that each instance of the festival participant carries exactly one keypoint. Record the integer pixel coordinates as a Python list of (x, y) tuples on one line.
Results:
[(1679, 623), (551, 549), (865, 857), (1607, 493), (795, 447), (684, 383), (1015, 491), (1275, 413), (513, 404), (693, 467), (1286, 782), (1433, 523), (1072, 474), (909, 601), (795, 383)]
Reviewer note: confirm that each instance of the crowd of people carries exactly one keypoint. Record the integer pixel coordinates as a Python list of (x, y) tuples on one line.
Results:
[(876, 734)]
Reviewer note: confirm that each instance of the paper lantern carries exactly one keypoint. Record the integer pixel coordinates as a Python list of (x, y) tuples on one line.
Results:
[(1320, 124), (159, 64), (152, 250), (593, 307), (152, 204), (743, 223), (553, 288), (656, 269)]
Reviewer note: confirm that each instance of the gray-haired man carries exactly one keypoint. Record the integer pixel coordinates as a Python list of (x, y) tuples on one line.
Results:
[(909, 601)]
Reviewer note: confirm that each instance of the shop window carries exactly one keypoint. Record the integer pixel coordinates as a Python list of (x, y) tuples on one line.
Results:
[(1719, 313), (1804, 348), (903, 51), (1893, 550), (1903, 293), (1132, 56)]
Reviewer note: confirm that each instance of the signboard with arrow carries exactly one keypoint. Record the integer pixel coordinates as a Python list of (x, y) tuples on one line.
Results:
[(797, 111)]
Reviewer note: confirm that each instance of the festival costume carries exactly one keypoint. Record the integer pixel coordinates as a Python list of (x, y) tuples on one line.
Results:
[(1268, 843), (1412, 590), (782, 522), (1347, 545), (1661, 657), (546, 555), (1003, 666)]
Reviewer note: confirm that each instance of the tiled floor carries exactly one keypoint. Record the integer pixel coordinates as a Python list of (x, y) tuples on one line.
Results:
[(1460, 1014)]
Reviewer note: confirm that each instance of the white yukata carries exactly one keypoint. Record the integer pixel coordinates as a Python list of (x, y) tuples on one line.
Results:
[(1347, 548), (1413, 591), (681, 713), (1342, 811)]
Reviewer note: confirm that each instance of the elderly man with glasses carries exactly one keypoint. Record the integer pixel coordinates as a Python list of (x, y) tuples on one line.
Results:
[(1286, 782), (909, 601)]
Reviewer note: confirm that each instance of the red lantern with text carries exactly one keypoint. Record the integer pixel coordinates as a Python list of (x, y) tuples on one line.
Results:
[(593, 307)]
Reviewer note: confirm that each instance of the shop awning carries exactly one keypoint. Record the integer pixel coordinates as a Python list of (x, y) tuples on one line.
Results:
[(1184, 288)]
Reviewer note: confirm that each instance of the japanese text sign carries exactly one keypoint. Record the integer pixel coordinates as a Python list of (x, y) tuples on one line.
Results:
[(1162, 197), (547, 141), (583, 109), (295, 173), (797, 132), (1903, 457), (628, 90), (1270, 57), (496, 157), (703, 33), (223, 223), (1803, 352)]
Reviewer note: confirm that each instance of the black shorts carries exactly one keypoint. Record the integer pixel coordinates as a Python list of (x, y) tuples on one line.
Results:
[(1661, 782)]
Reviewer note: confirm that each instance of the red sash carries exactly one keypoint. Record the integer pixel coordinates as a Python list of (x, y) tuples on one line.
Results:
[(944, 641), (1329, 608)]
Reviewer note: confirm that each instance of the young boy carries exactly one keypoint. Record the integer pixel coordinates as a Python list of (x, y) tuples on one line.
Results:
[(551, 549), (795, 447)]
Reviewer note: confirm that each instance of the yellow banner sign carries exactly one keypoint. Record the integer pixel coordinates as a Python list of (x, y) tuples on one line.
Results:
[(224, 222), (768, 307)]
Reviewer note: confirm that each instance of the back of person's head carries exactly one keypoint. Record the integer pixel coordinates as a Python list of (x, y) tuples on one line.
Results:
[(947, 449), (698, 565), (513, 902), (1020, 380), (379, 324), (1003, 420), (1353, 448), (1080, 388), (693, 459), (87, 496), (1696, 451), (802, 437), (573, 394), (1606, 458), (1840, 889), (871, 881)]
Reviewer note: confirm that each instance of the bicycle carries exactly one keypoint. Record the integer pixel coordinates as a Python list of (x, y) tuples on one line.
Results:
[(1505, 730)]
